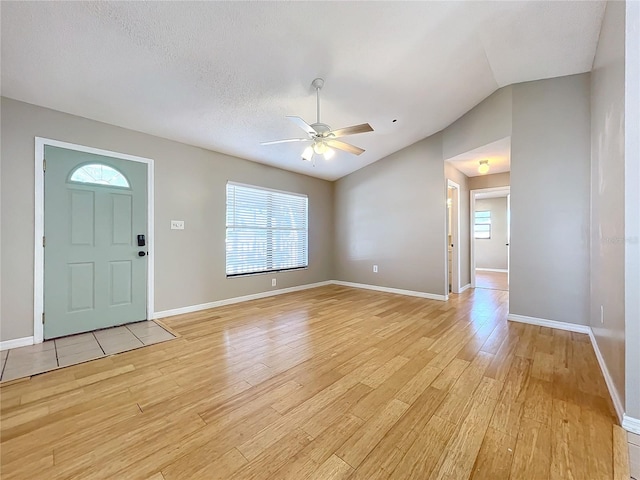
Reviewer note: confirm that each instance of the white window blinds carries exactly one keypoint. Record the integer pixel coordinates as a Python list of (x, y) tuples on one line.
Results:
[(267, 230)]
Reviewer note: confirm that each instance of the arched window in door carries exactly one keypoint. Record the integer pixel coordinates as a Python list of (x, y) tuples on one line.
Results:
[(99, 174)]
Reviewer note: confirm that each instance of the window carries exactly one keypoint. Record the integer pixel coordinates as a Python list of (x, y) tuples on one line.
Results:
[(99, 174), (266, 230), (482, 224)]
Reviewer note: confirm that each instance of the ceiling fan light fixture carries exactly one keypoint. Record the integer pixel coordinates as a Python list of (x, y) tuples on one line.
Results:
[(319, 147), (328, 153), (307, 154), (484, 167)]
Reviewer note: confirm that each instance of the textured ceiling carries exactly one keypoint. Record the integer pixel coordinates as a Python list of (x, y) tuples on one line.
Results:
[(498, 153), (223, 75)]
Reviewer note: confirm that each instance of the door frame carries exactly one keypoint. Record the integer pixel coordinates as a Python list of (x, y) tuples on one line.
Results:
[(455, 238), (472, 194), (38, 274)]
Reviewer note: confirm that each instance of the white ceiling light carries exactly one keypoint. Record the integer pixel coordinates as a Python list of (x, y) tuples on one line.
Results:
[(484, 167)]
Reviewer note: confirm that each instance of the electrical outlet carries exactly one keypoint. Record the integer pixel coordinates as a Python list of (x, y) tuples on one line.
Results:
[(601, 313), (177, 224), (375, 269), (273, 282)]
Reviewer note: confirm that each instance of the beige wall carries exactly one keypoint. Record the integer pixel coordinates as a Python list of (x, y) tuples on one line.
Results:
[(189, 185), (392, 214), (490, 181), (550, 157), (607, 193), (452, 173), (492, 252)]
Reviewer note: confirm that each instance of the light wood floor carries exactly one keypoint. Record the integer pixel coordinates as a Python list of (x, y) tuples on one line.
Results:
[(493, 280), (329, 383)]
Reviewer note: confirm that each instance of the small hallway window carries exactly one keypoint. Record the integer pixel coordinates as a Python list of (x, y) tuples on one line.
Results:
[(482, 224)]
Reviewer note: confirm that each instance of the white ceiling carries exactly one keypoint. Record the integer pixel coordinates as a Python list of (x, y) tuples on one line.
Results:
[(223, 75), (498, 153)]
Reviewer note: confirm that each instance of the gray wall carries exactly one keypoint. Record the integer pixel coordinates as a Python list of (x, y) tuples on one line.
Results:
[(632, 206), (492, 252), (464, 235), (392, 214), (189, 185), (487, 122), (489, 181), (607, 194), (550, 166)]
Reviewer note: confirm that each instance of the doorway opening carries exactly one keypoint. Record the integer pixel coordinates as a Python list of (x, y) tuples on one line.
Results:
[(490, 237), (76, 186), (453, 232)]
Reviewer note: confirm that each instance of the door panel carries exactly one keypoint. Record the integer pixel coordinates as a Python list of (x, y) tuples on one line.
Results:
[(121, 282), (82, 217), (81, 286), (121, 211), (93, 276)]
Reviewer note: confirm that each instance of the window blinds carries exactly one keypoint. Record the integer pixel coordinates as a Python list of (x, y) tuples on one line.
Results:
[(267, 230)]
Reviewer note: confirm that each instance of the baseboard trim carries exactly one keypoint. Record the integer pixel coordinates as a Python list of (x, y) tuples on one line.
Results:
[(613, 393), (411, 293), (543, 322), (16, 342), (466, 287), (631, 424), (499, 270), (229, 301)]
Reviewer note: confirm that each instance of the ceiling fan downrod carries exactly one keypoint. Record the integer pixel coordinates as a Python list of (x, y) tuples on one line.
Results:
[(318, 83)]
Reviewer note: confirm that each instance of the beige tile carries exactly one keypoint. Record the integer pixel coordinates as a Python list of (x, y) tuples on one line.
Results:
[(32, 349), (111, 347), (157, 337), (140, 328), (19, 370), (27, 360), (633, 438), (81, 357), (3, 354), (112, 332), (76, 348), (73, 339)]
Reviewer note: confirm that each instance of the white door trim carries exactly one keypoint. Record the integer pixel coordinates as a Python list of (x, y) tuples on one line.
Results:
[(455, 238), (499, 192), (38, 274)]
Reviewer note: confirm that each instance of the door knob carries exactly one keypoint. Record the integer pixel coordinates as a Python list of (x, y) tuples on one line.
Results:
[(141, 254)]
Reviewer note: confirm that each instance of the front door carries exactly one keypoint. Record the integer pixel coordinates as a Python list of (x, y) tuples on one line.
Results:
[(95, 211)]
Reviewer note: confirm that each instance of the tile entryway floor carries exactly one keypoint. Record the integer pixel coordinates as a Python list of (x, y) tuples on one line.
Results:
[(65, 351)]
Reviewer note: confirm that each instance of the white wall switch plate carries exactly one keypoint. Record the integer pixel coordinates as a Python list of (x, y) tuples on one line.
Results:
[(273, 282), (375, 269), (177, 224)]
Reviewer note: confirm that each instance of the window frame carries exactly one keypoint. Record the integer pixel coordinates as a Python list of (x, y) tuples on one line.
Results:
[(269, 256), (477, 224)]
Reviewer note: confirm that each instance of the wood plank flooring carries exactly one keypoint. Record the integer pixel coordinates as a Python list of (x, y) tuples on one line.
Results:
[(328, 383), (493, 280)]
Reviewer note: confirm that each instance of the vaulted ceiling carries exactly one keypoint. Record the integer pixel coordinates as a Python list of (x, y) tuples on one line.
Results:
[(223, 75)]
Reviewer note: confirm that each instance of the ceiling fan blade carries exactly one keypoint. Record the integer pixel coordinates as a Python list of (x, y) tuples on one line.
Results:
[(342, 132), (344, 146), (302, 124), (286, 141)]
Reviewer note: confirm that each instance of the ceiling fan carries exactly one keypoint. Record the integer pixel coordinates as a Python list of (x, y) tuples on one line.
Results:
[(324, 139)]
